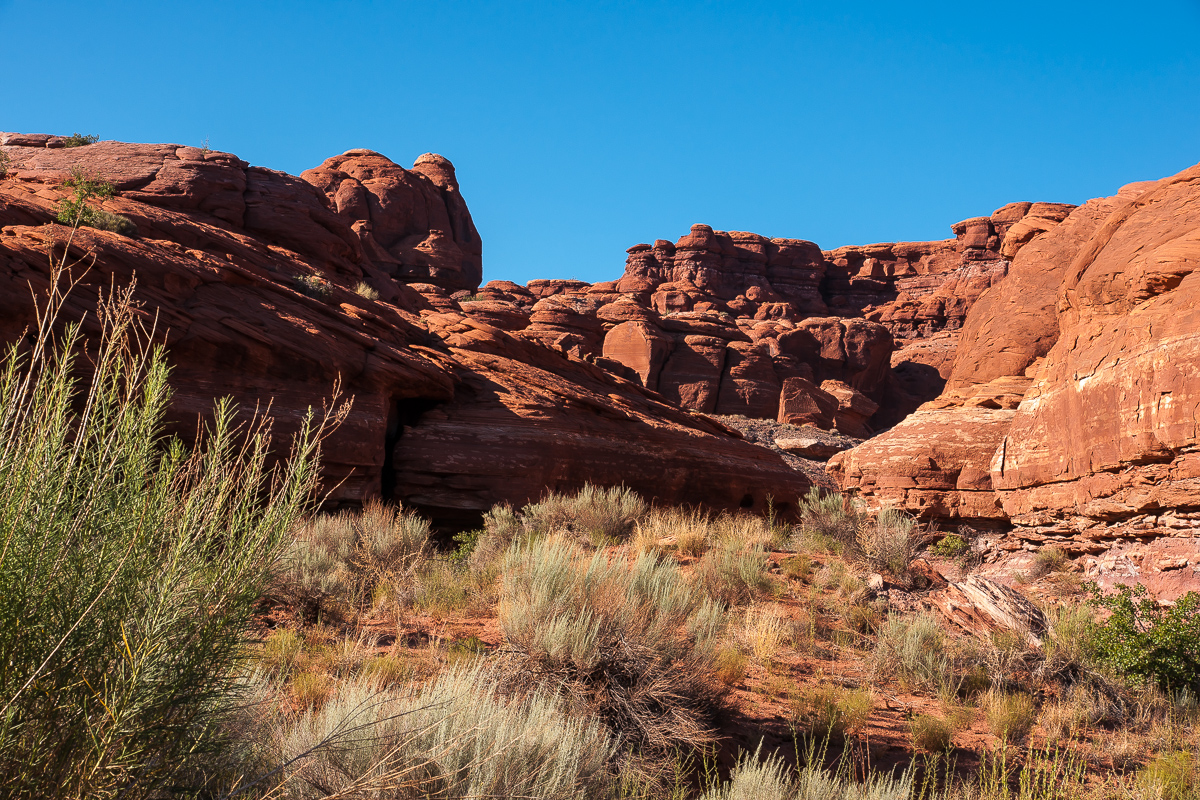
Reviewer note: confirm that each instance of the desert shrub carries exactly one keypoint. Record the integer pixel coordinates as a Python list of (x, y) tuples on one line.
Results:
[(313, 286), (1006, 654), (366, 291), (280, 650), (129, 569), (913, 648), (734, 574), (1069, 648), (764, 632), (116, 223), (828, 522), (311, 687), (798, 566), (758, 778), (950, 546), (862, 618), (340, 563), (386, 670), (1010, 716), (631, 643), (729, 665), (746, 529), (79, 140), (602, 516), (832, 712), (889, 544), (693, 543), (929, 733), (831, 575), (481, 550), (1170, 776), (1142, 639), (1047, 560), (443, 588), (77, 210), (1041, 774), (1064, 718), (687, 528), (454, 738), (5, 164)]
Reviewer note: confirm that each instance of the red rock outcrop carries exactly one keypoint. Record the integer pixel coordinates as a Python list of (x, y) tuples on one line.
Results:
[(1105, 439), (1070, 412), (718, 321), (413, 225), (252, 274)]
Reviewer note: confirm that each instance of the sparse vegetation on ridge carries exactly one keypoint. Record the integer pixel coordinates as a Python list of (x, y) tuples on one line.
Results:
[(79, 140)]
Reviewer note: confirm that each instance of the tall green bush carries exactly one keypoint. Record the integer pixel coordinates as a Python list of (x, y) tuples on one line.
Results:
[(1143, 639), (128, 565)]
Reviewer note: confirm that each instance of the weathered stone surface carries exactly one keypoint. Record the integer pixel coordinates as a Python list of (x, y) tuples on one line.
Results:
[(640, 346), (1108, 430), (810, 447), (854, 409), (412, 224), (1016, 322), (1086, 402), (935, 464), (451, 414), (981, 606), (803, 403)]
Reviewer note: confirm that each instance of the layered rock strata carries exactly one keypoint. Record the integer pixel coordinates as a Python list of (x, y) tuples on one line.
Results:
[(263, 287), (1071, 405)]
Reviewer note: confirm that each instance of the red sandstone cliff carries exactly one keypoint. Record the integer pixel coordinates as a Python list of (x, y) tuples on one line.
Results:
[(1071, 409), (736, 323), (451, 414)]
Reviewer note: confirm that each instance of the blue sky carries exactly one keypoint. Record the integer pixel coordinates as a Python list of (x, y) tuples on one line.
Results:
[(579, 129)]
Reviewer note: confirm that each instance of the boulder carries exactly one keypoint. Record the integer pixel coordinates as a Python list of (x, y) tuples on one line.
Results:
[(802, 402), (810, 447), (981, 606)]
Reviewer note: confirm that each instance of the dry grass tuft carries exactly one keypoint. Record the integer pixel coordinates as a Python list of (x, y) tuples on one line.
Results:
[(931, 734), (1009, 716)]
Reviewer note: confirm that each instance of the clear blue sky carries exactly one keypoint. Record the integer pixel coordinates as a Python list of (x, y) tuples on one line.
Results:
[(581, 128)]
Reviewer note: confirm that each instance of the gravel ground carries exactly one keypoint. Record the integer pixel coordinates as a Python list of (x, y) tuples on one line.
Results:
[(764, 432)]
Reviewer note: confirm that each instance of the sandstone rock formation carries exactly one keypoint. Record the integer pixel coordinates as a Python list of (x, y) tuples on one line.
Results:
[(451, 414), (720, 322), (1070, 411)]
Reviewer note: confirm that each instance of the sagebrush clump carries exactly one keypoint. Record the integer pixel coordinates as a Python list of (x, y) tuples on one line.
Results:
[(632, 643)]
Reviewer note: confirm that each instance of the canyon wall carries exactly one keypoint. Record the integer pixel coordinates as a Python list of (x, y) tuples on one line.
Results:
[(269, 288), (1070, 411), (853, 339)]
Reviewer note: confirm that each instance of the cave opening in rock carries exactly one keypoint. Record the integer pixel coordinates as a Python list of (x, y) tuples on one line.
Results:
[(402, 413)]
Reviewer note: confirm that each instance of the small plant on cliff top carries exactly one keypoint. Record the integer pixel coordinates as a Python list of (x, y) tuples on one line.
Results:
[(5, 164), (79, 140), (1146, 640), (366, 291)]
